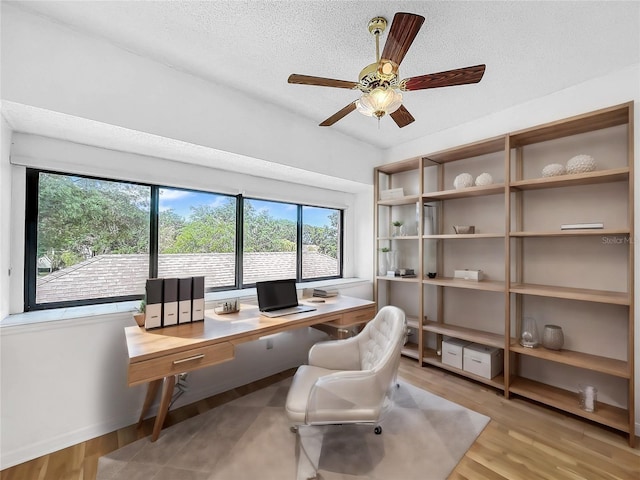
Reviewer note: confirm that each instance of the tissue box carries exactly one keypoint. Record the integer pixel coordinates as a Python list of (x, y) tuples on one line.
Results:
[(482, 360), (452, 351), (475, 275)]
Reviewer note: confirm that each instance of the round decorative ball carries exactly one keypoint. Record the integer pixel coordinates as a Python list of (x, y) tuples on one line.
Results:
[(581, 164), (463, 180), (553, 170), (484, 179)]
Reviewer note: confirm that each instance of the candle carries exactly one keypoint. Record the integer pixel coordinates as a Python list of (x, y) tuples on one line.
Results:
[(589, 398), (588, 395)]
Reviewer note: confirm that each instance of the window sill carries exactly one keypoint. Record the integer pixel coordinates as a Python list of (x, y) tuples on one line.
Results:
[(108, 310)]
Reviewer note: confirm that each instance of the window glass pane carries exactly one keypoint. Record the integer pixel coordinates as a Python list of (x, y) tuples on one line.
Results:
[(197, 236), (270, 231), (320, 242), (92, 240)]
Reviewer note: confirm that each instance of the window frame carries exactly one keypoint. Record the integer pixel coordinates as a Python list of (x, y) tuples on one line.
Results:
[(31, 240)]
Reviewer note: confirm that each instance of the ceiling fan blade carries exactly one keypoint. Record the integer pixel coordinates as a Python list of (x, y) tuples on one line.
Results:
[(404, 28), (402, 117), (460, 76), (339, 115), (321, 82)]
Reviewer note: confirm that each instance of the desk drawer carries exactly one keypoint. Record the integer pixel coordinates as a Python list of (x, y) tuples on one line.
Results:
[(362, 315), (141, 372)]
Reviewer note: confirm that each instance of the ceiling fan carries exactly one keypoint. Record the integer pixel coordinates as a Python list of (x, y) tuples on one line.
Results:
[(379, 82)]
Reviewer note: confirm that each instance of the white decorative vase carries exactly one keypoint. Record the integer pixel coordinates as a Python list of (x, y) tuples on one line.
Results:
[(553, 170), (552, 337), (382, 263), (484, 179), (392, 260), (464, 180), (581, 164)]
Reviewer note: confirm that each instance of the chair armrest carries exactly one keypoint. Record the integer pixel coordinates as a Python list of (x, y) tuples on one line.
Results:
[(343, 397), (336, 354)]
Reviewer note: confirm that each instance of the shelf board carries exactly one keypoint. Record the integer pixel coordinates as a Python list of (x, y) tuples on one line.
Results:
[(566, 400), (464, 235), (610, 366), (582, 294), (400, 237), (431, 358), (488, 285), (464, 193), (406, 200), (478, 336), (570, 180), (573, 233), (476, 149), (411, 350), (588, 122), (398, 279), (399, 167), (412, 322)]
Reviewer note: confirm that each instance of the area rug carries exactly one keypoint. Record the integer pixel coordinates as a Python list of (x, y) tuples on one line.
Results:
[(424, 437)]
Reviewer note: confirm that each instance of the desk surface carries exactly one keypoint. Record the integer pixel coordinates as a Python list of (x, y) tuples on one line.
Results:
[(243, 326)]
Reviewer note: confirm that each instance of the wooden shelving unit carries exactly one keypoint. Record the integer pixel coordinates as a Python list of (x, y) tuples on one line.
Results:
[(513, 229)]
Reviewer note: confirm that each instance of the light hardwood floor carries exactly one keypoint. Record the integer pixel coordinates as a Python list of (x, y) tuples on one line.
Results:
[(523, 441)]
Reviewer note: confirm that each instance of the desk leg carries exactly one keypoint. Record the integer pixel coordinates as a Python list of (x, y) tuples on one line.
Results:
[(152, 391), (165, 401)]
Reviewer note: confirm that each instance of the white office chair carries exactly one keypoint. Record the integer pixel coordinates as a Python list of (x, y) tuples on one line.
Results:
[(350, 381), (347, 381)]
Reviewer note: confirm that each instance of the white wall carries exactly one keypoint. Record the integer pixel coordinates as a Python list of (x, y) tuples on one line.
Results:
[(612, 89), (49, 66), (5, 212)]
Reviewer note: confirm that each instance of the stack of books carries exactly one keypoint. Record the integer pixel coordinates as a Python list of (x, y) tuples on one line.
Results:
[(318, 292)]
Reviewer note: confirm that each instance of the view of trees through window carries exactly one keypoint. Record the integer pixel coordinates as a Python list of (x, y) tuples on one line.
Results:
[(321, 242), (197, 236), (83, 225), (93, 238), (270, 240)]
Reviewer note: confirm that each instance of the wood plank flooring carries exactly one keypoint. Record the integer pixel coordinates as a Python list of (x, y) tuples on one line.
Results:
[(523, 441)]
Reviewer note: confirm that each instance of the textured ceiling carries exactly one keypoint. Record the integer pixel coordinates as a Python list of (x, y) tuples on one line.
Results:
[(531, 49)]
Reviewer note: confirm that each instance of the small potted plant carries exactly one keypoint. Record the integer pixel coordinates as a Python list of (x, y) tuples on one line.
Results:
[(397, 228), (139, 317)]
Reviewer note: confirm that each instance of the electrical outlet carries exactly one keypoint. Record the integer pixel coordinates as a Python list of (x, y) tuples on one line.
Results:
[(269, 344)]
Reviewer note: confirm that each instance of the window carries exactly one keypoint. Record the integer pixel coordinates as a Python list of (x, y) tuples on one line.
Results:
[(90, 240), (197, 236), (270, 241), (321, 250)]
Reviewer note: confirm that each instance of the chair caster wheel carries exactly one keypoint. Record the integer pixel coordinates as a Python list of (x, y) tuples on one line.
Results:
[(377, 430)]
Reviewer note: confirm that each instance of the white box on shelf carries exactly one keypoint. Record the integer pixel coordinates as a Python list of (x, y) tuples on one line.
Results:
[(391, 193), (452, 351), (483, 360), (475, 275)]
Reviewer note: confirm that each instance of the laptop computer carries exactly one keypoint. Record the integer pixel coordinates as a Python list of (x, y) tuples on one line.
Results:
[(277, 298)]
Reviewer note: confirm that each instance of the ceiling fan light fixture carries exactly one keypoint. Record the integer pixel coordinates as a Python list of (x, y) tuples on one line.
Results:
[(379, 101)]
